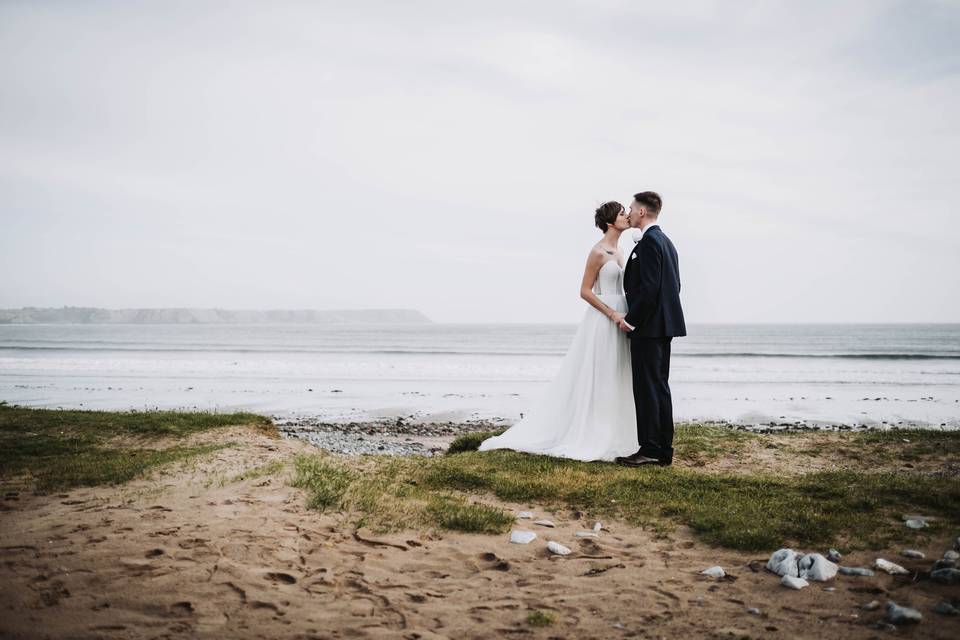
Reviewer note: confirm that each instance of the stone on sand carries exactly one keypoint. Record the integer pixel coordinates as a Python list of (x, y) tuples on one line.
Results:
[(890, 567), (793, 582), (856, 571), (557, 548), (899, 615), (783, 562), (714, 572), (946, 576), (522, 537), (913, 553), (814, 566)]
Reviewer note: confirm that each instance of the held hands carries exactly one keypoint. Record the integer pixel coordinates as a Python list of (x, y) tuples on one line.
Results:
[(617, 319)]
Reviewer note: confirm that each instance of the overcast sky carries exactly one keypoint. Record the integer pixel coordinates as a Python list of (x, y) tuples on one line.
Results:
[(448, 156)]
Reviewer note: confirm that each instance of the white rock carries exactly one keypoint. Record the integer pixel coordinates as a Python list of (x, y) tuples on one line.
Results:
[(557, 548), (916, 524), (814, 566), (522, 537), (545, 523), (913, 553), (890, 567), (794, 583), (951, 555), (597, 526), (525, 515), (900, 615), (783, 562), (586, 534), (714, 572)]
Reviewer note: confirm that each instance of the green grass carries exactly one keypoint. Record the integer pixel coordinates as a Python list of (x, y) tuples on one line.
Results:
[(53, 450), (539, 619), (746, 511), (471, 441)]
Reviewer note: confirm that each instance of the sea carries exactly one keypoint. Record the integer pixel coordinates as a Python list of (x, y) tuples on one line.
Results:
[(859, 375)]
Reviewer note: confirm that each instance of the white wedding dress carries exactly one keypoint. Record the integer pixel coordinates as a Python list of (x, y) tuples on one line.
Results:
[(587, 411)]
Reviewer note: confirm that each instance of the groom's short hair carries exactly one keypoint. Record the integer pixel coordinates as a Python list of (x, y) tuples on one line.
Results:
[(651, 200)]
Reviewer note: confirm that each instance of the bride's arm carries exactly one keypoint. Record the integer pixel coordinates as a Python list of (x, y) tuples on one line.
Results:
[(594, 261)]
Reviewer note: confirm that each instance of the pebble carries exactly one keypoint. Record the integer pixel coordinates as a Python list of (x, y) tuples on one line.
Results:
[(834, 556), (783, 562), (856, 571), (545, 523), (899, 615), (915, 524), (522, 537), (597, 527), (890, 567), (873, 605), (586, 534), (944, 564), (373, 436), (753, 611), (525, 515), (557, 548), (714, 572), (951, 555), (946, 576), (945, 608), (913, 553), (814, 566), (794, 583)]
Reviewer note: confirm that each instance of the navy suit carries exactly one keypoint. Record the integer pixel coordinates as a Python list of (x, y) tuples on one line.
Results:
[(651, 282)]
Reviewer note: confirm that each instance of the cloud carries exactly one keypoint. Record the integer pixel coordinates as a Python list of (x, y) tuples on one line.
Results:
[(375, 154)]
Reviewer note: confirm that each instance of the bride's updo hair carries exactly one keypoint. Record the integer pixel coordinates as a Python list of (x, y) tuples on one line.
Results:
[(607, 214)]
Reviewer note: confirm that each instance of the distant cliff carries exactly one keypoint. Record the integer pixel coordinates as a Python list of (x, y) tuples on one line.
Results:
[(89, 315)]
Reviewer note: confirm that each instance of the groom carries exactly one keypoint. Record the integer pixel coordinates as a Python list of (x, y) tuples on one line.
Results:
[(651, 281)]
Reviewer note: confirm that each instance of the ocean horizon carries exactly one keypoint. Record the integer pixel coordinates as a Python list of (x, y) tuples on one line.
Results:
[(871, 375)]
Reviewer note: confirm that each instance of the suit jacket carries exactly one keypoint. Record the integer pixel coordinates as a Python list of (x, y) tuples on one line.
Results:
[(651, 282)]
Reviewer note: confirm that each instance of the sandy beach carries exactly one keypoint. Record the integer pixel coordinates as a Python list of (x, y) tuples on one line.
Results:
[(212, 547)]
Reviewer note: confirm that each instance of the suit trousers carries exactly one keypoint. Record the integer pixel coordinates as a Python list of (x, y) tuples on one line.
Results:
[(650, 361)]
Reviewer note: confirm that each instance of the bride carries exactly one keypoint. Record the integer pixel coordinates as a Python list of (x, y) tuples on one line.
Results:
[(587, 411)]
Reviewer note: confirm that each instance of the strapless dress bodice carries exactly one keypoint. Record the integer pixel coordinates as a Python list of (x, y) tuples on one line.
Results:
[(609, 280)]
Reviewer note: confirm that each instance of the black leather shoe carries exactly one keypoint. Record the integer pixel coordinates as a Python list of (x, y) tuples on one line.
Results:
[(637, 461)]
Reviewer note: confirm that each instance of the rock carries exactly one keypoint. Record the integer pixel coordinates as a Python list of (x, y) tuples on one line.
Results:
[(915, 524), (793, 582), (834, 556), (557, 548), (945, 608), (913, 553), (873, 605), (951, 555), (946, 576), (525, 515), (545, 523), (814, 566), (856, 571), (753, 611), (900, 615), (944, 564), (890, 567), (587, 534), (597, 527), (714, 572), (783, 562), (522, 537)]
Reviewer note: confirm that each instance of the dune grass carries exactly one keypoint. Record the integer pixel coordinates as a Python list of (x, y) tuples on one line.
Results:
[(49, 450), (751, 512)]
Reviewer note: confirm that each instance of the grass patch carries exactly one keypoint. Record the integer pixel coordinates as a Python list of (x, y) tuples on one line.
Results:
[(746, 511), (268, 469), (54, 450), (453, 513), (471, 441), (539, 619)]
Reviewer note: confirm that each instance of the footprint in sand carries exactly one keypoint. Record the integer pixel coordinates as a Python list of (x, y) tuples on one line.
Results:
[(285, 578)]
